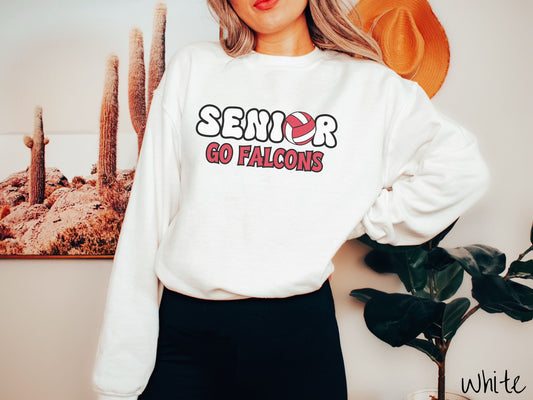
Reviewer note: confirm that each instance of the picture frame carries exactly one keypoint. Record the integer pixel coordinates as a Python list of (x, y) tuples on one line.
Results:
[(74, 127)]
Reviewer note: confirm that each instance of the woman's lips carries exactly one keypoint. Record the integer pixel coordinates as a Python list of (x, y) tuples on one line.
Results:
[(264, 5)]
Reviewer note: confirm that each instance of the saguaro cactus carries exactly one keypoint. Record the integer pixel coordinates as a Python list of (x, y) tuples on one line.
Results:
[(107, 156), (157, 50), (37, 168), (137, 85)]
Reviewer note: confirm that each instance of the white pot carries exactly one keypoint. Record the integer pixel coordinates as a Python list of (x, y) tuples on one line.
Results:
[(427, 395)]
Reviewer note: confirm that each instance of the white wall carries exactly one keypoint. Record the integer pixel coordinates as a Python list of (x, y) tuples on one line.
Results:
[(51, 309)]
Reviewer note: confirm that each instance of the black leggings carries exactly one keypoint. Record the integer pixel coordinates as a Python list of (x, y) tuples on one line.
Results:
[(248, 349)]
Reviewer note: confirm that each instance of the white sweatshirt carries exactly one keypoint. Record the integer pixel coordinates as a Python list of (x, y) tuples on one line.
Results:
[(255, 170)]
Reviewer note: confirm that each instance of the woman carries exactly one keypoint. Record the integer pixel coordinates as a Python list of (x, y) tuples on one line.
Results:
[(262, 155)]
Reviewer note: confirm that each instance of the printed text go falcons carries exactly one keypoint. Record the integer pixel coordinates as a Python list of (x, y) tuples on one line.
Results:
[(299, 128)]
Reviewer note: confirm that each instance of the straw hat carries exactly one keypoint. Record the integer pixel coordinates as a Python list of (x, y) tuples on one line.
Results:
[(411, 38)]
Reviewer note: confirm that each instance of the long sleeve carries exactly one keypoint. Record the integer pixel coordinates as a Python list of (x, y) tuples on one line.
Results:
[(433, 171), (128, 339)]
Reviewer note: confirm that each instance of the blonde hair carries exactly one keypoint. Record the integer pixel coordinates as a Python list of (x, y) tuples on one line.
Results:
[(329, 27)]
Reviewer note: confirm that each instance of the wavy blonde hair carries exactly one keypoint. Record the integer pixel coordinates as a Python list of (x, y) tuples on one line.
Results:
[(328, 22)]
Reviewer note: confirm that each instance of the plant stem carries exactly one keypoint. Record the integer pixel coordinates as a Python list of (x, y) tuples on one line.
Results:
[(521, 256), (443, 346), (442, 379), (465, 317), (469, 313)]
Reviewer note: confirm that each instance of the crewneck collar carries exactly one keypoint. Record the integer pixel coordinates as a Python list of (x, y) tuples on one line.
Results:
[(259, 59)]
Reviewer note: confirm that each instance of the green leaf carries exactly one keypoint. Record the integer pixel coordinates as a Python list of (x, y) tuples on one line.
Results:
[(448, 281), (411, 269), (445, 283), (453, 313), (434, 242), (479, 259), (495, 295), (524, 293), (423, 293), (439, 259), (433, 331), (399, 318), (521, 269), (408, 264), (387, 248), (366, 294), (531, 234), (381, 262), (428, 348)]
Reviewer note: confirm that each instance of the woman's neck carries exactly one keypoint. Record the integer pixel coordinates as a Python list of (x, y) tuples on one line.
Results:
[(294, 40)]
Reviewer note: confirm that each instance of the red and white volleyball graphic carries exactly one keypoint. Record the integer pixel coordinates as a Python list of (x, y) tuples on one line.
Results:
[(299, 128)]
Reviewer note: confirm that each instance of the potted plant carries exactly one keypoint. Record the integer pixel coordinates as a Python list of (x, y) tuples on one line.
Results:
[(428, 317)]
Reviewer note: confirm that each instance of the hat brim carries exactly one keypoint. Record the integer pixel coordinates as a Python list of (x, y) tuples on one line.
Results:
[(436, 60)]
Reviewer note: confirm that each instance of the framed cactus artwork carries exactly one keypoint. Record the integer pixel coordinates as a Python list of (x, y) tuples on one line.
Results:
[(70, 141)]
